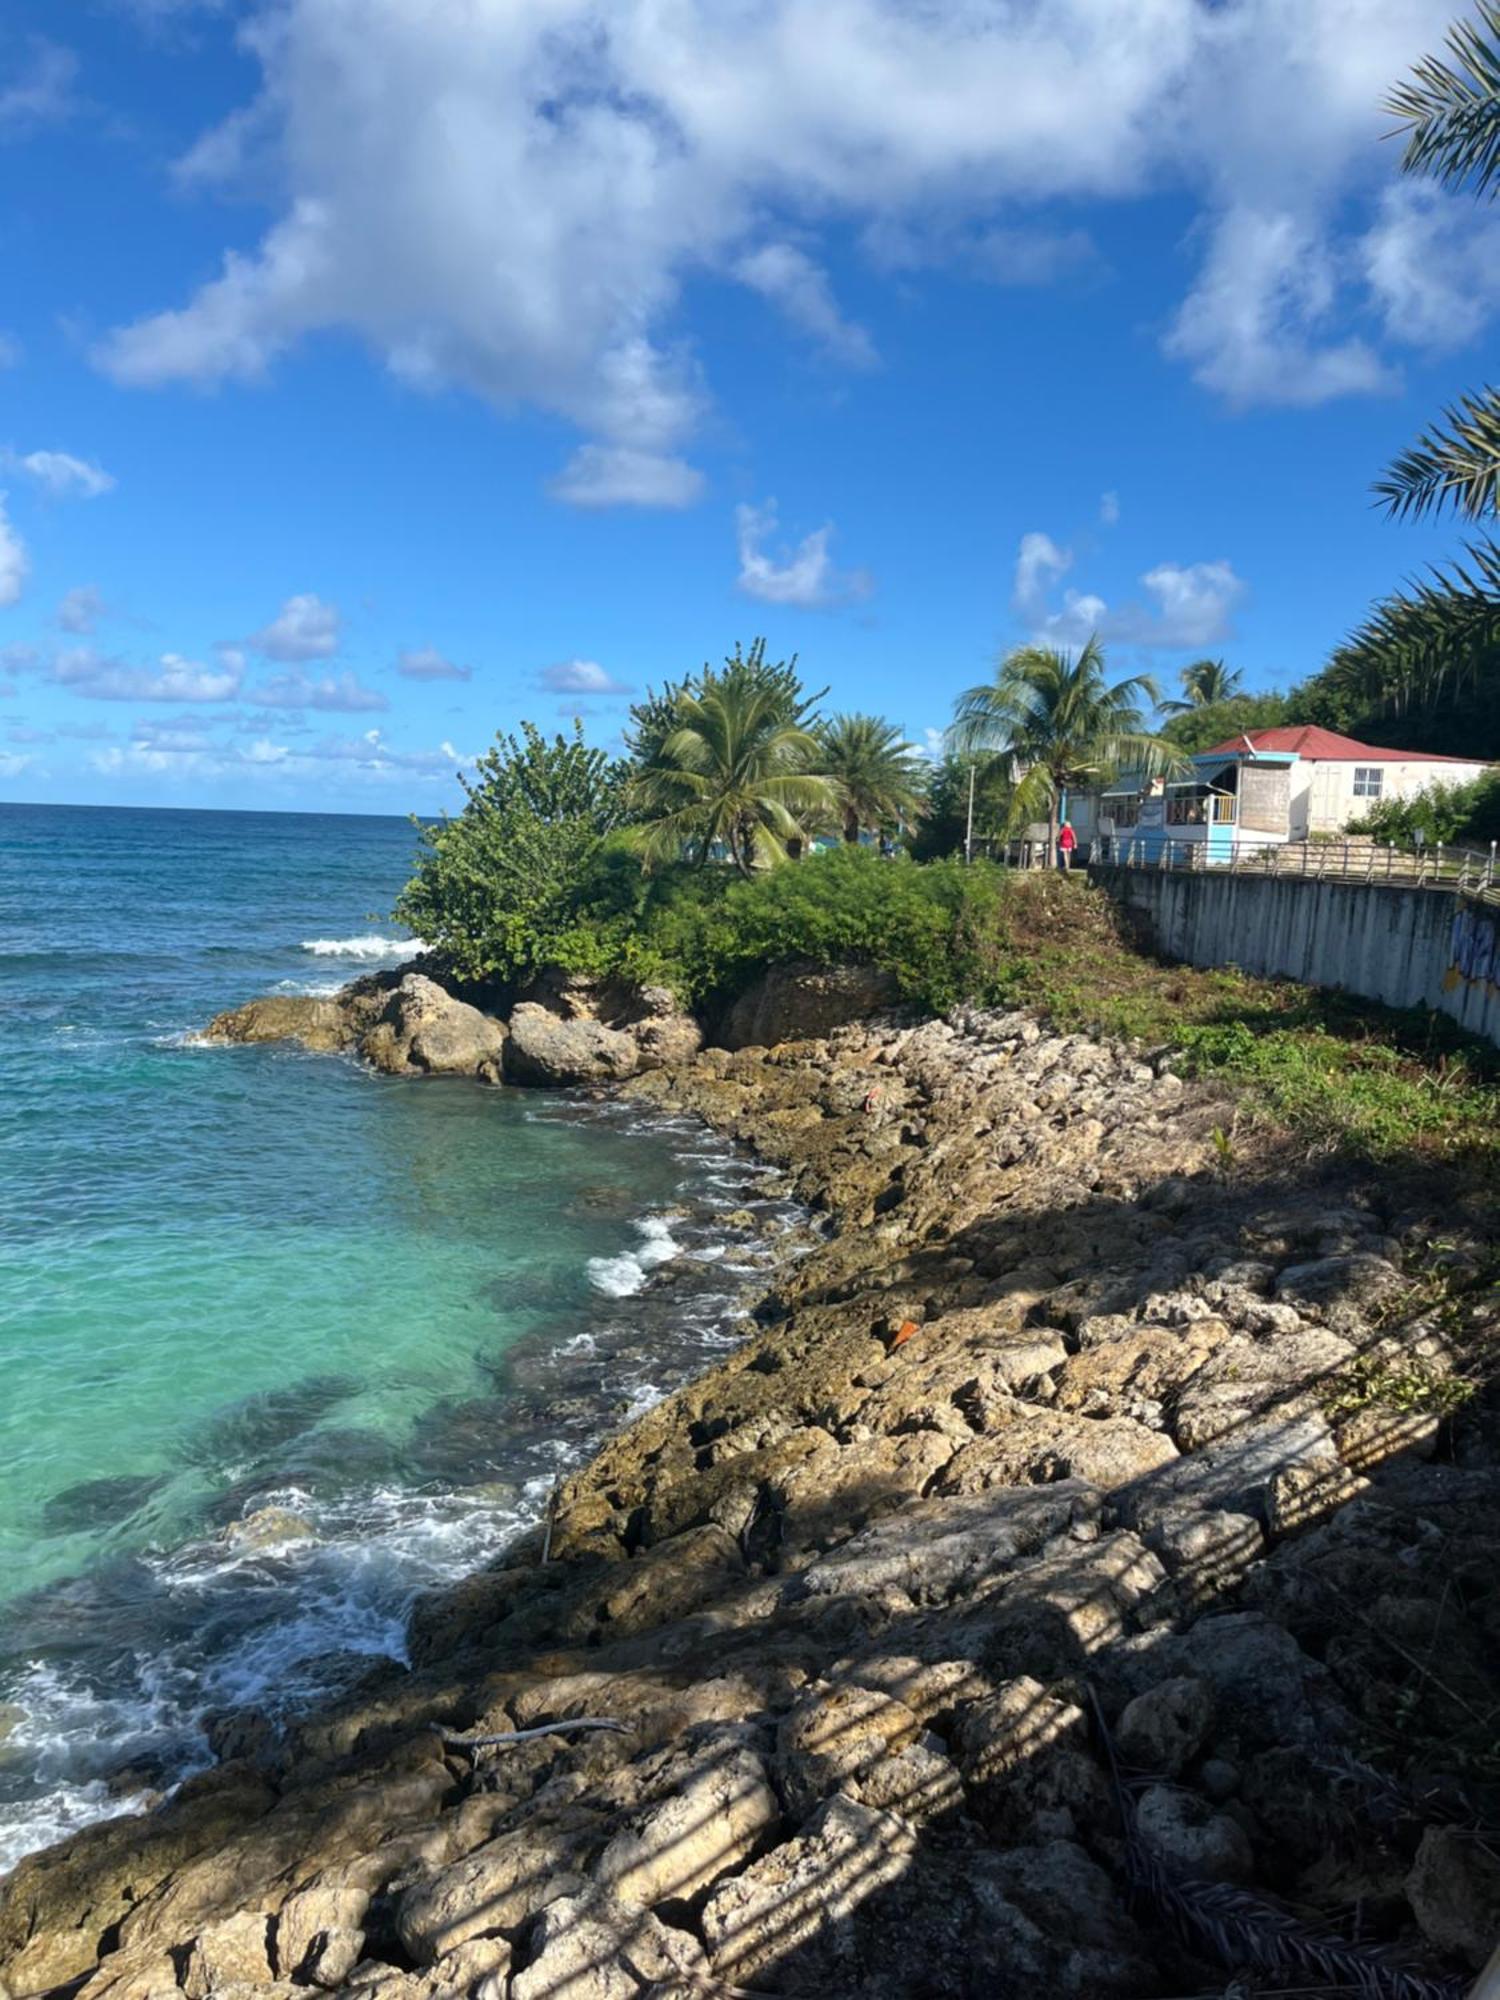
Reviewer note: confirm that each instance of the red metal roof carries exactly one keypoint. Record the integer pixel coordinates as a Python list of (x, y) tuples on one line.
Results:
[(1326, 746)]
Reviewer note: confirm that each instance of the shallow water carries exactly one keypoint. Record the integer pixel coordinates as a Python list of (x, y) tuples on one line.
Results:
[(238, 1278)]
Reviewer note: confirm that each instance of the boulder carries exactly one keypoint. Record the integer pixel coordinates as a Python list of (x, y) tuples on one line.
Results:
[(804, 1002), (596, 1948), (834, 1737), (320, 1024), (424, 1031), (1193, 1839), (1163, 1729), (710, 1825), (1454, 1892), (496, 1888), (234, 1951), (807, 1890), (547, 1051), (1024, 1757)]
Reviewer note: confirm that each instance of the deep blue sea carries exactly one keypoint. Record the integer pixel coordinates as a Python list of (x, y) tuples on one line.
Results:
[(233, 1279)]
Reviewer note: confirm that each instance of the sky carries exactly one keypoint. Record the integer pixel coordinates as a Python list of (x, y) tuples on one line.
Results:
[(376, 373)]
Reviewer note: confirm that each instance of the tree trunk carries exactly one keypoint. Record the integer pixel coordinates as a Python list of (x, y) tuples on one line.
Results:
[(1053, 823), (851, 827)]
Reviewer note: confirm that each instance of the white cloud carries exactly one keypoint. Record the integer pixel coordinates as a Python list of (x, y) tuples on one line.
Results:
[(14, 562), (305, 628), (1256, 325), (1109, 509), (60, 474), (1039, 563), (426, 663), (14, 762), (1432, 262), (344, 692), (580, 677), (804, 576), (102, 677), (81, 609), (1192, 603), (12, 354), (512, 198), (37, 89), (264, 751), (618, 476), (791, 280)]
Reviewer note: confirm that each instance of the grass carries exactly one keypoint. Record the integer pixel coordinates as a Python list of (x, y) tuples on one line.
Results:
[(1347, 1074)]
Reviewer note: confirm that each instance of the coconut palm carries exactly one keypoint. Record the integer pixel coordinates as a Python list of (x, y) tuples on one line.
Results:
[(1451, 113), (1203, 682), (1059, 722), (737, 768), (878, 774)]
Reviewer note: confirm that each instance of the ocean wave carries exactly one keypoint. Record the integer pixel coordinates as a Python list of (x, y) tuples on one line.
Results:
[(367, 949), (623, 1276)]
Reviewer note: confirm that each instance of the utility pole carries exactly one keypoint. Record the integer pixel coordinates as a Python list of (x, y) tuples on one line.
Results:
[(969, 826)]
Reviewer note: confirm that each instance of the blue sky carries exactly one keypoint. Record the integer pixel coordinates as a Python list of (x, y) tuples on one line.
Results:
[(379, 372)]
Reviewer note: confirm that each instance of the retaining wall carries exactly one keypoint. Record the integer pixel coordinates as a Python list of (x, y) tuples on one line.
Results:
[(1409, 947)]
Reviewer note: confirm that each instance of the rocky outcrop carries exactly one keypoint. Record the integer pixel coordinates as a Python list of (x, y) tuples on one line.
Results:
[(424, 1031), (1051, 1595), (802, 1002), (406, 1023)]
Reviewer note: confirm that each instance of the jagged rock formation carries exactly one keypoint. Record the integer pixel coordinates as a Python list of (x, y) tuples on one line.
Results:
[(1070, 1587)]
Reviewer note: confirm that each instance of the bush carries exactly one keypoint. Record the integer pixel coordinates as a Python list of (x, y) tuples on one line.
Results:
[(1437, 813)]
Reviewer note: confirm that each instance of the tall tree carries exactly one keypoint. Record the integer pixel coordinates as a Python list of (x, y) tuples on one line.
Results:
[(879, 776), (1204, 682), (1437, 643), (1059, 722), (741, 766)]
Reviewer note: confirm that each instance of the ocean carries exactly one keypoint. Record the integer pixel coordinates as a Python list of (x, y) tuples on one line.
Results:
[(234, 1280)]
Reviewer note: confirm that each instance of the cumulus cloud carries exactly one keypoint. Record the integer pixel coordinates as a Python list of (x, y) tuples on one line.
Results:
[(1256, 325), (305, 628), (1432, 262), (36, 87), (803, 575), (619, 476), (14, 762), (345, 693), (426, 663), (61, 475), (513, 199), (1191, 603), (104, 677), (799, 287), (14, 562), (580, 677), (81, 609)]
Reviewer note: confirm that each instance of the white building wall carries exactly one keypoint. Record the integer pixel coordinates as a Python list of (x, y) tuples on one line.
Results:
[(1329, 802)]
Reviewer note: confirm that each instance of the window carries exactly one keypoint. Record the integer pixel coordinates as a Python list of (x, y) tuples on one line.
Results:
[(1367, 779)]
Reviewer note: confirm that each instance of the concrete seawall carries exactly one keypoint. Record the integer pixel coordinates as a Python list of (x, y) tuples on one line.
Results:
[(1407, 946)]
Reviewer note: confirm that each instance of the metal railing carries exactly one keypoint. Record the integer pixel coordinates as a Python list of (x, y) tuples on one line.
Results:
[(1462, 870)]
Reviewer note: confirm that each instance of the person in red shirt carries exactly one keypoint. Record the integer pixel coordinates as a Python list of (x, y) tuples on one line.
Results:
[(1067, 840)]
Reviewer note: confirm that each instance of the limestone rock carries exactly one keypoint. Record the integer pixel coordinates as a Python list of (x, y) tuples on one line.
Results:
[(1454, 1892), (710, 1825), (833, 1738), (546, 1050), (320, 1024), (1341, 1291), (1163, 1729), (1025, 1759), (1191, 1838), (595, 1948), (808, 1889), (423, 1030), (234, 1951), (497, 1887), (800, 1001)]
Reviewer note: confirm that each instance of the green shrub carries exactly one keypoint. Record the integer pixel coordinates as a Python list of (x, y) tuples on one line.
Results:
[(1438, 813)]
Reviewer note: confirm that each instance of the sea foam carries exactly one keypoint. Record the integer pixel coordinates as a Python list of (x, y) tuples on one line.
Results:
[(623, 1276), (368, 947)]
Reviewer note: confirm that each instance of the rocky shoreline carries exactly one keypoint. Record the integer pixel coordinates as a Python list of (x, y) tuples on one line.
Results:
[(1080, 1582)]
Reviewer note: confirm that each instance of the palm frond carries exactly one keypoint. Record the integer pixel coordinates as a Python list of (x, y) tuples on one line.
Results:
[(1451, 108), (1454, 464)]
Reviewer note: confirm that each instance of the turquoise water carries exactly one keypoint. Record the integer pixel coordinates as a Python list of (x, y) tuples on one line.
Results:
[(240, 1278)]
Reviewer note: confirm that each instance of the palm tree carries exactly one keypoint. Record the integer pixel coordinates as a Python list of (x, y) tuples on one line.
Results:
[(878, 774), (1059, 722), (1451, 113), (737, 768), (1203, 682)]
